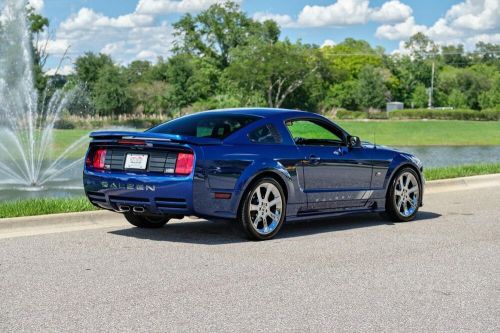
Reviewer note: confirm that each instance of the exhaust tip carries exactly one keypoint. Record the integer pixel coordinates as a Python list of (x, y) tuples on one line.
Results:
[(138, 209), (123, 208)]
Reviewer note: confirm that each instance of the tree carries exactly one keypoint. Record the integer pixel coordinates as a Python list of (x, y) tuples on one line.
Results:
[(110, 95), (191, 79), (275, 70), (38, 24), (216, 31), (457, 99), (371, 88), (348, 58), (421, 46), (454, 55), (491, 98), (420, 97), (88, 66), (138, 71), (343, 95)]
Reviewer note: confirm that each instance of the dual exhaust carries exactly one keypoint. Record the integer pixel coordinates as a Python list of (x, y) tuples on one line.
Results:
[(126, 208)]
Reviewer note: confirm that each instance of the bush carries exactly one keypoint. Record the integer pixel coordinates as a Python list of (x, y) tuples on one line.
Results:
[(64, 124), (458, 114), (344, 114)]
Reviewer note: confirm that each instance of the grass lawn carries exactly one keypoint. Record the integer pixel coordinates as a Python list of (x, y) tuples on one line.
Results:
[(426, 133), (81, 204), (44, 206), (461, 171)]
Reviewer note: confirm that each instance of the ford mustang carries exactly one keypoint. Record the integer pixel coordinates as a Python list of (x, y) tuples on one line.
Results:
[(255, 167)]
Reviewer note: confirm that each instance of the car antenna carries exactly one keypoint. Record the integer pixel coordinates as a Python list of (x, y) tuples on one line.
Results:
[(374, 139)]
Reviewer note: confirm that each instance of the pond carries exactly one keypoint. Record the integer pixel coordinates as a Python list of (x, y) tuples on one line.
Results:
[(70, 183), (441, 156)]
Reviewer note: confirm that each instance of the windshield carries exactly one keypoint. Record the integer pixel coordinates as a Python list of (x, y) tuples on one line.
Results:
[(205, 125)]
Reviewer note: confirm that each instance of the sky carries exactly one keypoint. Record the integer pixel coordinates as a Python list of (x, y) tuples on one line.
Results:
[(142, 29)]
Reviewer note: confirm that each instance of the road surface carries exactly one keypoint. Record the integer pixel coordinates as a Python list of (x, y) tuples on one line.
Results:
[(439, 273)]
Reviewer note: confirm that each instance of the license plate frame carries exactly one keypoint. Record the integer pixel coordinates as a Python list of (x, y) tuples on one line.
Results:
[(135, 161)]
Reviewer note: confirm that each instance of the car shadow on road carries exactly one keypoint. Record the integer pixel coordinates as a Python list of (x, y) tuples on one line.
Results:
[(217, 233)]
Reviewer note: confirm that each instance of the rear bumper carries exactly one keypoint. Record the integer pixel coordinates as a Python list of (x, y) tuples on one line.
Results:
[(154, 194)]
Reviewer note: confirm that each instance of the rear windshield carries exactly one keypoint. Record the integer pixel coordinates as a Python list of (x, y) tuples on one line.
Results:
[(205, 125)]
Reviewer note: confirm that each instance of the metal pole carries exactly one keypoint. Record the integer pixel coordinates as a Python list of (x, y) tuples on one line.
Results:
[(432, 85)]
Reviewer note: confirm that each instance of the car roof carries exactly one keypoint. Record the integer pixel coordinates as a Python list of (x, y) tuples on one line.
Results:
[(263, 112)]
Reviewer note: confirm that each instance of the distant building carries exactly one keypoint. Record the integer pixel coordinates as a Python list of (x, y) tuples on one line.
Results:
[(391, 106)]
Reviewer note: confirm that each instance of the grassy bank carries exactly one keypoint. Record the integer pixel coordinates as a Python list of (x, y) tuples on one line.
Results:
[(44, 206), (461, 171), (426, 133), (81, 204)]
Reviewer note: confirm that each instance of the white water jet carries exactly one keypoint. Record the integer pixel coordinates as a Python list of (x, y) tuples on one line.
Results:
[(26, 120)]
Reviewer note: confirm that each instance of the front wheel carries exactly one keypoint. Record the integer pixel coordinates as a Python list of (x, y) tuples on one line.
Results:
[(264, 209), (403, 198), (145, 221)]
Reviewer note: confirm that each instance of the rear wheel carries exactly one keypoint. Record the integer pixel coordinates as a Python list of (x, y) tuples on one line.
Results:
[(403, 198), (263, 211), (146, 221)]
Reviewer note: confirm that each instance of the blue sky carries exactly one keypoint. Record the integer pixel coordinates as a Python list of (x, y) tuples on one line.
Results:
[(141, 29)]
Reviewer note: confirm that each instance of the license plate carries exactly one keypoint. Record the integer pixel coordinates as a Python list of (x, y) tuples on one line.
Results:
[(136, 161)]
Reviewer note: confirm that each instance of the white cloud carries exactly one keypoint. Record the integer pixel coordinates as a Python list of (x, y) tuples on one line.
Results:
[(57, 47), (391, 11), (37, 5), (476, 15), (285, 21), (64, 70), (328, 42), (87, 19), (342, 12), (173, 6), (400, 31)]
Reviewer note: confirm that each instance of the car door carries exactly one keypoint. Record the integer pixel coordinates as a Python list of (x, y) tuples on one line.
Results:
[(335, 176)]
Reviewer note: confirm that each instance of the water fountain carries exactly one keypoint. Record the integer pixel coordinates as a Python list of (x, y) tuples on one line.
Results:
[(27, 118)]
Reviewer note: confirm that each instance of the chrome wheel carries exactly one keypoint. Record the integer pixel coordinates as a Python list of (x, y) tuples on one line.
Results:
[(265, 209), (406, 194)]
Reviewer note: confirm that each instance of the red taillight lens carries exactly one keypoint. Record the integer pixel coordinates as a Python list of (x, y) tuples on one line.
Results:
[(96, 160), (184, 164)]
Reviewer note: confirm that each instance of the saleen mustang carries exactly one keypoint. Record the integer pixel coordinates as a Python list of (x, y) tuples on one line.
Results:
[(256, 167)]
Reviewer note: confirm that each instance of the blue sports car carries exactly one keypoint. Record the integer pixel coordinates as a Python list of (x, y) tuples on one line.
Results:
[(255, 167)]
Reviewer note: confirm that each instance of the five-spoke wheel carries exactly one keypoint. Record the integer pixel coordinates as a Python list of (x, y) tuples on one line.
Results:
[(403, 197), (263, 211)]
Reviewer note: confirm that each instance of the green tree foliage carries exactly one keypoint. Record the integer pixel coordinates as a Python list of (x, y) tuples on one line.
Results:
[(216, 31), (111, 96), (89, 66), (371, 92), (420, 97), (38, 24), (491, 98), (343, 95), (274, 70)]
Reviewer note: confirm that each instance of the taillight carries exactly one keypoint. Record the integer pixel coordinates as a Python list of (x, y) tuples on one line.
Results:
[(96, 159), (184, 164)]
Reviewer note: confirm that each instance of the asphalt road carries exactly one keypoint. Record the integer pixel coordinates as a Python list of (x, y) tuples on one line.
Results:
[(439, 273)]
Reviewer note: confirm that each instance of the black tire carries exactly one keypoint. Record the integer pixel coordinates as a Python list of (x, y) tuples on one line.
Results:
[(246, 215), (401, 213), (146, 221)]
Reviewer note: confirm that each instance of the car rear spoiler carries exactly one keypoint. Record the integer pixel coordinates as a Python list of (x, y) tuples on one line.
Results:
[(150, 136)]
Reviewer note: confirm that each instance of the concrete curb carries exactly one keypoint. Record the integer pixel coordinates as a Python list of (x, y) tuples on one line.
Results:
[(107, 218), (462, 183)]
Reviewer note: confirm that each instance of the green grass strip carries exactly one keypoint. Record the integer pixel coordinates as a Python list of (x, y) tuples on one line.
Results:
[(44, 206), (461, 171)]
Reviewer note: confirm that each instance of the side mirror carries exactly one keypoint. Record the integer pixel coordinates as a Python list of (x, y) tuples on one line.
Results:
[(353, 142)]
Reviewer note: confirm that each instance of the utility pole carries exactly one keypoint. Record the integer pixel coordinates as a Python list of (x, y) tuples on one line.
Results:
[(432, 85)]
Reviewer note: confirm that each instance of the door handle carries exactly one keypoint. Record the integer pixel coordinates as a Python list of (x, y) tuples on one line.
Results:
[(313, 159), (338, 152)]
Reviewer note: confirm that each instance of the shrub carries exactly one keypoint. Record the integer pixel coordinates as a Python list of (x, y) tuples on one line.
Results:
[(64, 124), (458, 114)]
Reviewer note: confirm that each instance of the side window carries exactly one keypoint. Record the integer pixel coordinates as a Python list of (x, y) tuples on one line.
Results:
[(265, 134), (308, 132)]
